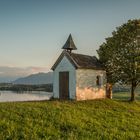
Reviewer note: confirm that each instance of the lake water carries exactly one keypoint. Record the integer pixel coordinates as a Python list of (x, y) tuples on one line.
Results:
[(10, 96)]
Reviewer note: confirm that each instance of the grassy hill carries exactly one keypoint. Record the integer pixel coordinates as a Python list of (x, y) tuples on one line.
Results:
[(97, 119)]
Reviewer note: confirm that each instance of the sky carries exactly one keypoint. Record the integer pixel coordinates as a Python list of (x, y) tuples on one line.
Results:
[(32, 32)]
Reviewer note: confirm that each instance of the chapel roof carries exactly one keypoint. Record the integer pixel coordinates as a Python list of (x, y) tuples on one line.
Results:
[(86, 61), (80, 61)]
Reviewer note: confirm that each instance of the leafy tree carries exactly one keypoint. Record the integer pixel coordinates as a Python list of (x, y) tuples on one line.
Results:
[(120, 55)]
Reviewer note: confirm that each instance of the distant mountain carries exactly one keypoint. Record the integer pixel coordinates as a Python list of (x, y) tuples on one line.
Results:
[(36, 79), (6, 79)]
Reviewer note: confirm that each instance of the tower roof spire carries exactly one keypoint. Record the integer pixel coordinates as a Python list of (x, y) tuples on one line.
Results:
[(69, 45)]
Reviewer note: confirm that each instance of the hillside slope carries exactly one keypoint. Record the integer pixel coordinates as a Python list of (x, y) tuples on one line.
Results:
[(87, 120), (35, 79)]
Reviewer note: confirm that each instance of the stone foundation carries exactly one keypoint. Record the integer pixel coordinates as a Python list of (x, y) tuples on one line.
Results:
[(90, 93)]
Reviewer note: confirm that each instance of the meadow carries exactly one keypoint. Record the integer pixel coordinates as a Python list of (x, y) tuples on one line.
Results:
[(70, 120)]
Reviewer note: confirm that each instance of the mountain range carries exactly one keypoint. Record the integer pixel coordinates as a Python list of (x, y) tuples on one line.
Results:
[(36, 79)]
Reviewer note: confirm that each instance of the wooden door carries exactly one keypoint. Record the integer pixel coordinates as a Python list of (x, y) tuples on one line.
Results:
[(64, 85)]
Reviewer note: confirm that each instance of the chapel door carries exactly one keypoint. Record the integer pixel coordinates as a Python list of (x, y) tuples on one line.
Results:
[(64, 85)]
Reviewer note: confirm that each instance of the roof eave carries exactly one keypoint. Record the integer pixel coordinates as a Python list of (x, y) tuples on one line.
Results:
[(91, 68), (64, 53)]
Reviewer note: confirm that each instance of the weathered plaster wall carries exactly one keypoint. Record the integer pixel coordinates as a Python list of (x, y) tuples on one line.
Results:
[(65, 65), (86, 87)]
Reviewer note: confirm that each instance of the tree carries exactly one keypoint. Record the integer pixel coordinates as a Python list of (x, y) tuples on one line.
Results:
[(120, 55)]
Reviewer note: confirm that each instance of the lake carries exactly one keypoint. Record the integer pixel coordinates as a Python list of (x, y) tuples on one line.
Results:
[(11, 96)]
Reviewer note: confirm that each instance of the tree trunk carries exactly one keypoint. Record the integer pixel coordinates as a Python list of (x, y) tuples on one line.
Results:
[(133, 86), (109, 91)]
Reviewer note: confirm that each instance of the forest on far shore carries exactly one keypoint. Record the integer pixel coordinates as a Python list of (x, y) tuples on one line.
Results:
[(22, 88)]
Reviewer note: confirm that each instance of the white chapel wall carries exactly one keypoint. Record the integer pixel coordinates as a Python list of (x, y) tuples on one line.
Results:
[(63, 66)]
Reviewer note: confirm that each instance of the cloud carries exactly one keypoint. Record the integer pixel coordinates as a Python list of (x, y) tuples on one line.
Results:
[(19, 71), (34, 70), (1, 72)]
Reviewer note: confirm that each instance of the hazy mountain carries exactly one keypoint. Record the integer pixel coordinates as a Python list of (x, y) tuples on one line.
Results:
[(8, 74), (35, 79), (7, 79)]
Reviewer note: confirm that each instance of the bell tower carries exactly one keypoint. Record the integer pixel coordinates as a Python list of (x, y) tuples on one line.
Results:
[(69, 45)]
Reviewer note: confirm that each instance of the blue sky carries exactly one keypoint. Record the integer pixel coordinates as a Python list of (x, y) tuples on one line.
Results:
[(32, 32)]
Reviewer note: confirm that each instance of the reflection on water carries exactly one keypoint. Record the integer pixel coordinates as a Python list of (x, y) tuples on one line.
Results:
[(9, 96)]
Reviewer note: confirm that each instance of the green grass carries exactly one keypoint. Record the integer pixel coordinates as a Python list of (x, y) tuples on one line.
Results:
[(125, 96), (97, 119)]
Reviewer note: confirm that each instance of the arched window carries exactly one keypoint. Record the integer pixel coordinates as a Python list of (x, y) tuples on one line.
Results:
[(98, 80)]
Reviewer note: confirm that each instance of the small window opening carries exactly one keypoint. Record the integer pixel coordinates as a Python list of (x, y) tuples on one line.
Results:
[(98, 80)]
